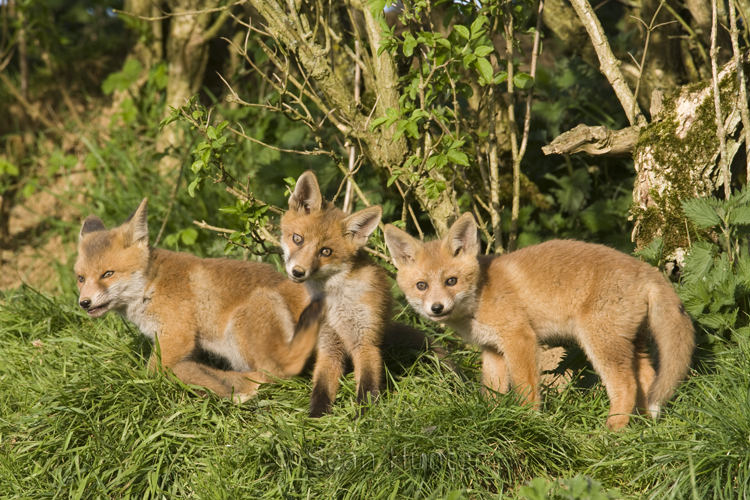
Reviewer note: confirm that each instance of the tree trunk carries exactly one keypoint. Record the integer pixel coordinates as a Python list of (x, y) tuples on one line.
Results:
[(676, 159)]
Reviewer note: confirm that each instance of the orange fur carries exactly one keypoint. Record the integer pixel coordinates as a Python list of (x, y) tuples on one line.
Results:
[(258, 324), (607, 301)]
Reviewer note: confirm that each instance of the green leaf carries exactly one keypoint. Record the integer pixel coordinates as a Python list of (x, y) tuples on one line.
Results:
[(701, 213), (483, 50), (189, 236), (537, 489), (485, 69), (462, 30), (409, 44), (433, 188), (459, 157), (523, 81), (8, 168), (211, 133), (193, 186), (476, 26), (740, 216), (500, 77)]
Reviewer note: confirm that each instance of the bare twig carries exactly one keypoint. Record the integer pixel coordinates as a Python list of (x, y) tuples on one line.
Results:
[(649, 29), (717, 102), (167, 15)]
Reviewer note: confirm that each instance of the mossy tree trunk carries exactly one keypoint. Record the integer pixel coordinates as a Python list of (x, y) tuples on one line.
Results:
[(676, 158)]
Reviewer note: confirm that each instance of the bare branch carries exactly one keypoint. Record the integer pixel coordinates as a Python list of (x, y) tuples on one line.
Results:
[(594, 141), (609, 64), (167, 15)]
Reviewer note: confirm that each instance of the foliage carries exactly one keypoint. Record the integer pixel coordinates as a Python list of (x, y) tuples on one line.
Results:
[(716, 275), (576, 488)]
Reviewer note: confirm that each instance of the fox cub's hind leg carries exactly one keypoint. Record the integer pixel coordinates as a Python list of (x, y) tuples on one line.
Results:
[(614, 361)]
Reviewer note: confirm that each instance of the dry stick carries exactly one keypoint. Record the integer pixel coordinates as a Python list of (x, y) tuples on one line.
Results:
[(738, 61), (348, 201), (610, 66), (717, 102), (516, 205)]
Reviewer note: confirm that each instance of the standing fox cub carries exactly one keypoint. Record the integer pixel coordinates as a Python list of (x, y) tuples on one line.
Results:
[(607, 301), (323, 248), (222, 324)]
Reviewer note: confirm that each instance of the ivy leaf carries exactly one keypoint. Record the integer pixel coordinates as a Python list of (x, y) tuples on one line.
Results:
[(523, 81)]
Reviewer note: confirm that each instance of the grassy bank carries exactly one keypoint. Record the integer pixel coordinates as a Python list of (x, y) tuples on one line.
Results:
[(81, 417)]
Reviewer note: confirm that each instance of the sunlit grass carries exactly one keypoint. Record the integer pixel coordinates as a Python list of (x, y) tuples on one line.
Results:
[(81, 417)]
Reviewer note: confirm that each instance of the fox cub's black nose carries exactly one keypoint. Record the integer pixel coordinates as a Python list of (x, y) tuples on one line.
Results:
[(85, 303), (437, 307), (298, 272)]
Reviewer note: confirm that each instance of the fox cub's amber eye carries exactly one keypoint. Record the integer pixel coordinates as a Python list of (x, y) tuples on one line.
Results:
[(297, 239), (107, 274), (421, 285), (451, 281), (326, 252), (81, 279)]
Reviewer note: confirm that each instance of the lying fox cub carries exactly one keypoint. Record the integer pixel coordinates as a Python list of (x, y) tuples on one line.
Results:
[(606, 300), (244, 316)]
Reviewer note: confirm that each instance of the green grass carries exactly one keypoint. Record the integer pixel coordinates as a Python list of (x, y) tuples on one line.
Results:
[(81, 417)]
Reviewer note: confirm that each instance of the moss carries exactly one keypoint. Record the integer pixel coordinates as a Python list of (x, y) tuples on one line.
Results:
[(686, 166)]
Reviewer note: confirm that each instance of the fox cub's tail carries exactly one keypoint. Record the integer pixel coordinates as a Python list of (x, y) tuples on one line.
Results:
[(674, 335)]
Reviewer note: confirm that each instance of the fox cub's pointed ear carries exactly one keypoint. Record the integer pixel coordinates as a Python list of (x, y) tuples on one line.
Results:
[(360, 225), (136, 226), (462, 236), (90, 224), (306, 197), (402, 246)]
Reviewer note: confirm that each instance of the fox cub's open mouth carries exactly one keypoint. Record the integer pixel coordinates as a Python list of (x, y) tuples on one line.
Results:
[(98, 310)]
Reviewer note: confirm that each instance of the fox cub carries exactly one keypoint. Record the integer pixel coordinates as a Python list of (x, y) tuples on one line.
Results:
[(606, 300), (323, 249), (222, 324)]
